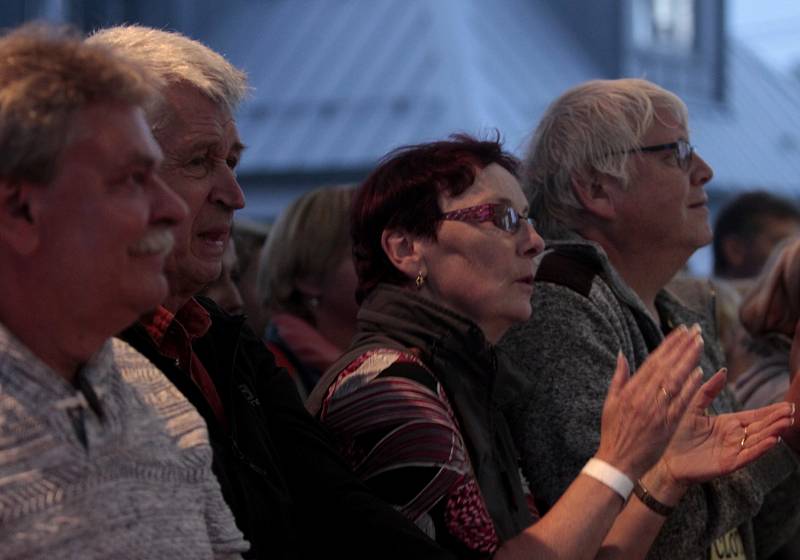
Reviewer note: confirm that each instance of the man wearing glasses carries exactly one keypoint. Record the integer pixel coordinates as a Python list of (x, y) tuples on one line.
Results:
[(618, 191)]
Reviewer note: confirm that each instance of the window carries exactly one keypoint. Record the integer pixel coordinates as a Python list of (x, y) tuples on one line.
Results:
[(664, 24), (678, 44)]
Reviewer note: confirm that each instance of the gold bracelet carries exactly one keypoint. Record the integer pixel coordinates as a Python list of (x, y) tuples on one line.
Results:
[(647, 499)]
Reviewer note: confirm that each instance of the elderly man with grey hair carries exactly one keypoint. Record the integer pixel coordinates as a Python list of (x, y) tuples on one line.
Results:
[(100, 456), (291, 494), (618, 191)]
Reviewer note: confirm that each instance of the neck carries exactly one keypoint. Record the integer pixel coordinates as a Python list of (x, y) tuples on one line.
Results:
[(60, 341), (644, 269), (181, 290)]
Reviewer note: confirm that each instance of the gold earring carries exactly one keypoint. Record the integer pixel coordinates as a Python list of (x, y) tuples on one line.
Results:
[(420, 280)]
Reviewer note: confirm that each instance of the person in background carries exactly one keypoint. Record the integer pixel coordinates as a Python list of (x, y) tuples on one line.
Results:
[(746, 231), (618, 190), (308, 283), (445, 258), (770, 353), (291, 493), (101, 457), (249, 237), (224, 291), (770, 312)]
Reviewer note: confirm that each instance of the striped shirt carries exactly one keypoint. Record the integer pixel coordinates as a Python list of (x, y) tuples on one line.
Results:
[(395, 425)]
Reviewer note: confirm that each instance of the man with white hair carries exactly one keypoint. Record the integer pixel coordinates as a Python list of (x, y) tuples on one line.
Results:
[(100, 456), (618, 191), (291, 494)]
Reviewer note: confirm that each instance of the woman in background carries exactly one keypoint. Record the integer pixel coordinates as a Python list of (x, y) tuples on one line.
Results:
[(307, 283)]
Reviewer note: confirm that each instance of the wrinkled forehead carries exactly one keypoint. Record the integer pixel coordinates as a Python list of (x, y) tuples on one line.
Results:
[(188, 112)]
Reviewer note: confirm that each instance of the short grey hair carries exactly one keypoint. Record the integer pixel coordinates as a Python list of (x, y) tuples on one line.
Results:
[(589, 130), (178, 59), (47, 74)]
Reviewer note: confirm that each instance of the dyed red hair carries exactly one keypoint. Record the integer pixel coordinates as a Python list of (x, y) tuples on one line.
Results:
[(403, 192)]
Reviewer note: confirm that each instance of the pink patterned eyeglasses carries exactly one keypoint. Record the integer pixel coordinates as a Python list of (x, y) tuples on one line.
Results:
[(501, 215)]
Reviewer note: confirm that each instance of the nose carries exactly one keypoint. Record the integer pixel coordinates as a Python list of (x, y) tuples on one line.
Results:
[(167, 207), (701, 172), (226, 190), (532, 242)]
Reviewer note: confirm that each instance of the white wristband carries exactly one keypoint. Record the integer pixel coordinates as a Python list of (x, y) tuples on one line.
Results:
[(612, 477)]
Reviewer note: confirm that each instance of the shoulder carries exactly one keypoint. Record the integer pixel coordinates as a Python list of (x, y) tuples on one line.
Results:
[(139, 373), (574, 271), (572, 281), (571, 300), (161, 401), (381, 363), (381, 371)]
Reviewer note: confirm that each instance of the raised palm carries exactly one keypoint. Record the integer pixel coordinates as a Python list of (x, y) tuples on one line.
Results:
[(705, 447)]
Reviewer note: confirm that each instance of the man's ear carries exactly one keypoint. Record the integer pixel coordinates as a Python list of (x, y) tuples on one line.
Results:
[(594, 192), (18, 228), (404, 252)]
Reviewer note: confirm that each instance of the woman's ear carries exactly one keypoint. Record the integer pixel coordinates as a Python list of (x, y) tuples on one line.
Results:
[(404, 252), (18, 229), (595, 193)]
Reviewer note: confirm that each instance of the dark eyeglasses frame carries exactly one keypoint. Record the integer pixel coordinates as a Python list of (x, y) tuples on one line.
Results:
[(684, 152), (502, 215)]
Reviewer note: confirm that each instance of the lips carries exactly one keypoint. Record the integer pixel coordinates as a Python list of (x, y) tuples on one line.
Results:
[(212, 242), (215, 236), (700, 204), (526, 280), (157, 241)]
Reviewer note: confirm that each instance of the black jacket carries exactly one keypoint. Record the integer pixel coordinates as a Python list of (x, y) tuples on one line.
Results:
[(290, 492)]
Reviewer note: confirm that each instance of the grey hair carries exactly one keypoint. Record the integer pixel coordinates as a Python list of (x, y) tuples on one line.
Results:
[(47, 74), (178, 59), (587, 131)]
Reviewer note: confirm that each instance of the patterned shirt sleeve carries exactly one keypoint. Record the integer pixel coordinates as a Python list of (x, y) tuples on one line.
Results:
[(394, 424)]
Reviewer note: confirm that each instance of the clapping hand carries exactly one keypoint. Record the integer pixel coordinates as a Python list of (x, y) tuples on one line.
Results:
[(705, 447), (641, 413)]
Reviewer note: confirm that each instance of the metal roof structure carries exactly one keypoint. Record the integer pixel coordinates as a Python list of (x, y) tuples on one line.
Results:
[(339, 84)]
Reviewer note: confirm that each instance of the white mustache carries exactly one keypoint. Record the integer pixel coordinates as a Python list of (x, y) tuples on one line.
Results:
[(157, 241)]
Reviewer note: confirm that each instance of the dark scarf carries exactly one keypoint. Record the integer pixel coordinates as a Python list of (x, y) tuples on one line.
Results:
[(467, 366)]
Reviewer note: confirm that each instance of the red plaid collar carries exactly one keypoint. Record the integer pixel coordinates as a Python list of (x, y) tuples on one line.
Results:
[(192, 317)]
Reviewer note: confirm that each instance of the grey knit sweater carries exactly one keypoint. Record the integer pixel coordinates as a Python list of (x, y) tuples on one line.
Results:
[(583, 313), (121, 469)]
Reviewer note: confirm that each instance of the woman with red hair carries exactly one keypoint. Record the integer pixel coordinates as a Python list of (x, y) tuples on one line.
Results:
[(445, 257)]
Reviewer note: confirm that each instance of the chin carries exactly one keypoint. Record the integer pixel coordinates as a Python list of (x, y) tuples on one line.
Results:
[(199, 274), (523, 312)]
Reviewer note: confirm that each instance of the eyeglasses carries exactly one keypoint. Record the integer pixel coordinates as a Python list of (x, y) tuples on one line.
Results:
[(501, 215), (683, 152)]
